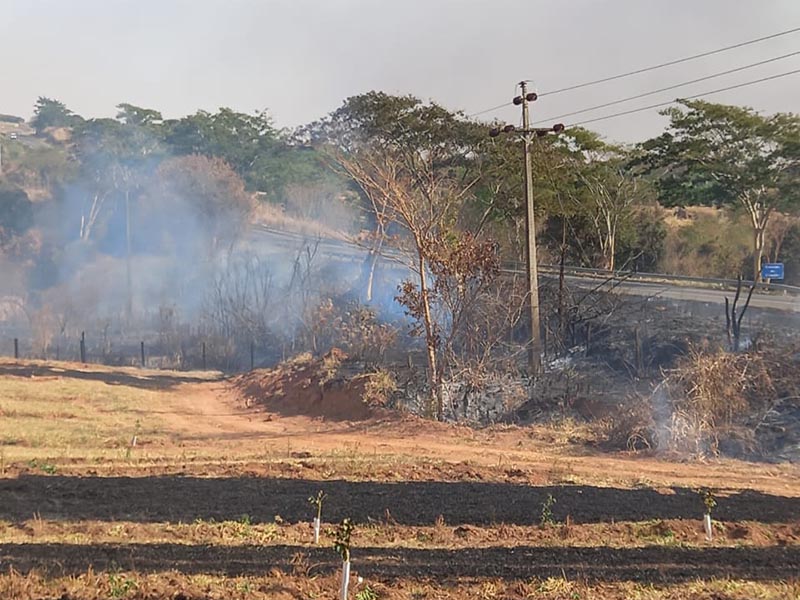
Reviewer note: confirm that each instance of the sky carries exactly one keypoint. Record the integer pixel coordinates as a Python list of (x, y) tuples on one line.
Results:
[(299, 59)]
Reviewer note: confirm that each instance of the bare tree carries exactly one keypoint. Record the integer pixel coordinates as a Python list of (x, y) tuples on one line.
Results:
[(733, 318), (610, 201), (415, 165)]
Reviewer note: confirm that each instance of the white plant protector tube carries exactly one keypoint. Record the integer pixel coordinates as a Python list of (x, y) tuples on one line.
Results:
[(707, 523), (345, 579), (316, 530)]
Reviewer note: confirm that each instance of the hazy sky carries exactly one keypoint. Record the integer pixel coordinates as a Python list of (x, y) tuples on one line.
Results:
[(301, 58)]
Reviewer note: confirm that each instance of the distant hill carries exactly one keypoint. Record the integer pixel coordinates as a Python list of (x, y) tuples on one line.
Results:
[(11, 119)]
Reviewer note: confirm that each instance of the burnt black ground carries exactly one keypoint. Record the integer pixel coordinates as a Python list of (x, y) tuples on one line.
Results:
[(184, 499)]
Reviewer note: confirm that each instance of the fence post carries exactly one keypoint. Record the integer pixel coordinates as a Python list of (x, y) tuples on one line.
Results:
[(83, 346), (204, 356), (142, 349), (252, 355), (637, 346), (588, 338), (16, 349)]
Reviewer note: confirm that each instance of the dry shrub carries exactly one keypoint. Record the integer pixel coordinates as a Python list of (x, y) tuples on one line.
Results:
[(711, 403), (379, 388), (721, 388), (631, 428), (352, 327)]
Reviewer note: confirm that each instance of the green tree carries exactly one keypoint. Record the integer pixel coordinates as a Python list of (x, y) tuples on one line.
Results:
[(136, 115), (715, 154), (250, 144), (16, 212), (52, 113)]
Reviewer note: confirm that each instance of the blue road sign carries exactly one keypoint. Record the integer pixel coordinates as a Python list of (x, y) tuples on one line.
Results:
[(772, 271)]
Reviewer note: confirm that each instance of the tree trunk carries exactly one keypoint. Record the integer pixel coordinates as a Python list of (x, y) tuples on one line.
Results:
[(758, 253), (128, 275), (759, 219), (430, 340), (611, 249), (561, 264)]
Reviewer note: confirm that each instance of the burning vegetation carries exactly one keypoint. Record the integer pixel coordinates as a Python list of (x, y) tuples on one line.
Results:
[(390, 232)]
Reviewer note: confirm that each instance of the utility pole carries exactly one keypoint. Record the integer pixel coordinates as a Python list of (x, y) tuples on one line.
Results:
[(128, 275), (535, 345)]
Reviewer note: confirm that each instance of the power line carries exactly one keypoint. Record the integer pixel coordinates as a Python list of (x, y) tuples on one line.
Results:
[(670, 63), (645, 69), (483, 112), (671, 87), (660, 104)]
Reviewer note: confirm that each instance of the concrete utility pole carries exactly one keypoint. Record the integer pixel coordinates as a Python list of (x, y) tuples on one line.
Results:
[(535, 345)]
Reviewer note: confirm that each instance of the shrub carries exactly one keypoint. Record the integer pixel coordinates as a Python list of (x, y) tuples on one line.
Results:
[(711, 403)]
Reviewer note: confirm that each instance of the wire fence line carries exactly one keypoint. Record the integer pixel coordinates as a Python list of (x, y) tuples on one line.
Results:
[(150, 352)]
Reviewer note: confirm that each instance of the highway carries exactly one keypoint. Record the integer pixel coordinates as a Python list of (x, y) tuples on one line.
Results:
[(681, 292), (268, 240)]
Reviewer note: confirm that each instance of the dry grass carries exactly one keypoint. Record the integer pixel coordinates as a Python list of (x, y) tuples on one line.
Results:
[(72, 417), (438, 535), (274, 217), (69, 411), (276, 585), (708, 400)]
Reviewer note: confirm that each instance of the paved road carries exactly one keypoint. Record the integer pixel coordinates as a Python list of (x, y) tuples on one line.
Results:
[(696, 294), (280, 242)]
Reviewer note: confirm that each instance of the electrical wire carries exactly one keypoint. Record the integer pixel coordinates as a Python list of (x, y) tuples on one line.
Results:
[(483, 112), (668, 88), (670, 63), (660, 104), (646, 69)]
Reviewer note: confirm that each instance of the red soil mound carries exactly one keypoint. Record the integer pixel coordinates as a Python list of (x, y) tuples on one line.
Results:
[(310, 387)]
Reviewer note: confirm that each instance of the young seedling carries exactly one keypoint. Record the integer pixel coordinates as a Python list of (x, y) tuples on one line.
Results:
[(710, 503), (316, 502), (341, 543), (547, 511)]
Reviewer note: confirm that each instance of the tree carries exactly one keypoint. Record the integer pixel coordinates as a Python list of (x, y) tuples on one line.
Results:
[(52, 113), (250, 144), (16, 212), (714, 154), (116, 158), (415, 164), (136, 115), (609, 203), (206, 190)]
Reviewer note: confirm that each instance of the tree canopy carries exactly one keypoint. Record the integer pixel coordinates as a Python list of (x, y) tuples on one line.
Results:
[(52, 113), (715, 154)]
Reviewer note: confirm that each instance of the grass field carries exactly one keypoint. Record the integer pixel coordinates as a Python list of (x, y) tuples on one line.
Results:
[(212, 502)]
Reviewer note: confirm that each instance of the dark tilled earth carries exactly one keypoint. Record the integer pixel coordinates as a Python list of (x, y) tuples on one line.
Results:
[(184, 499), (654, 564)]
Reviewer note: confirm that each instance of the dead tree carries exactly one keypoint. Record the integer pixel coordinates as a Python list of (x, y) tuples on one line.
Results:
[(733, 320)]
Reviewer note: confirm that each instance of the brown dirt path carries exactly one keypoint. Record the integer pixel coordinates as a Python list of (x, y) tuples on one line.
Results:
[(197, 414)]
